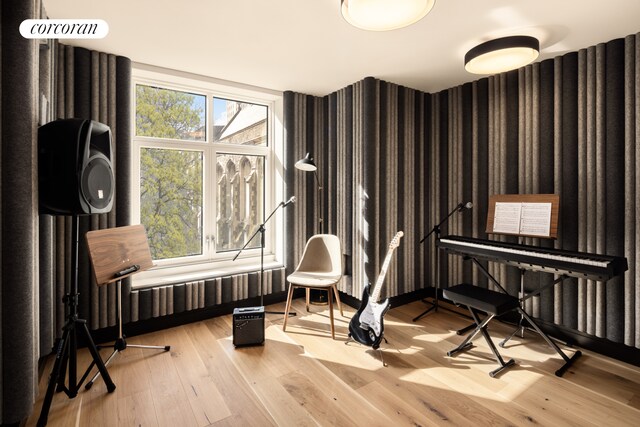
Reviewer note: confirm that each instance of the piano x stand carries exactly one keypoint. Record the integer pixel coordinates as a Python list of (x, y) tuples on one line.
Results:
[(520, 327), (568, 361), (560, 262)]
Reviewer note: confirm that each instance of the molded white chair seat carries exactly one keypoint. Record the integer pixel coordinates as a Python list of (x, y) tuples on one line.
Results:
[(319, 268), (314, 279)]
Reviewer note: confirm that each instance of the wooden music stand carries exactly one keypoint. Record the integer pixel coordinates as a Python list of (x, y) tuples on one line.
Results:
[(115, 254)]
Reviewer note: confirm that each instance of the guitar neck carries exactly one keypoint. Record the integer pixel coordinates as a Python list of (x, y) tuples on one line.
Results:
[(383, 272)]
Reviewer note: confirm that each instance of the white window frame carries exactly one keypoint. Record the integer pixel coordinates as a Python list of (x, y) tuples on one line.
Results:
[(211, 263)]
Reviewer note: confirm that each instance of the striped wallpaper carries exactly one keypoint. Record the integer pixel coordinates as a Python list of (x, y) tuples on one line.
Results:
[(392, 158), (167, 300)]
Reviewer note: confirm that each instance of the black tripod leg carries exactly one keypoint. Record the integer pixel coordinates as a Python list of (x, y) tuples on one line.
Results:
[(73, 363), (62, 375), (54, 378), (95, 377), (86, 374), (98, 360)]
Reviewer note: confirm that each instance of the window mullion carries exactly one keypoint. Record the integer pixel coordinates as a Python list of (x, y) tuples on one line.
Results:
[(212, 200)]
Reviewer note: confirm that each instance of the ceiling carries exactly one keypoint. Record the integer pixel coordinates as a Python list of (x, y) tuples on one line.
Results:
[(306, 46)]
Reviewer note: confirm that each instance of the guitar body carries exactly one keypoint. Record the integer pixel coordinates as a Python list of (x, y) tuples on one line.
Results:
[(367, 325)]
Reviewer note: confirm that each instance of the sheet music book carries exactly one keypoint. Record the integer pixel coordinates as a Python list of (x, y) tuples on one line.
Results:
[(525, 218), (524, 215)]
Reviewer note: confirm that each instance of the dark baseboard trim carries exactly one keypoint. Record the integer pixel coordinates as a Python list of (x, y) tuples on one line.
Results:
[(396, 301), (105, 335), (618, 351), (621, 352)]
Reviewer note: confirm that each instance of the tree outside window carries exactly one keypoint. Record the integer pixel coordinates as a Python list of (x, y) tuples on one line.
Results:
[(175, 153)]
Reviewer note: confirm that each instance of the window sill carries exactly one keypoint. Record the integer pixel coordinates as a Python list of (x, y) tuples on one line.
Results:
[(163, 276)]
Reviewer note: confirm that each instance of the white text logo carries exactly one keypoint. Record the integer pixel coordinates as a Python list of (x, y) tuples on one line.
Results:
[(64, 28)]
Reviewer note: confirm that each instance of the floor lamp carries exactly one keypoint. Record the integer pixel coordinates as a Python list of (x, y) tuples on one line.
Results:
[(308, 165)]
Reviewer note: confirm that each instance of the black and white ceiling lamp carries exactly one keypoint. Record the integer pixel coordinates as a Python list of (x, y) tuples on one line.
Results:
[(503, 54), (384, 15)]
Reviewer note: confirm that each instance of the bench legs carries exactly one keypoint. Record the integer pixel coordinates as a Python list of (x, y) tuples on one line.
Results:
[(519, 329), (482, 328)]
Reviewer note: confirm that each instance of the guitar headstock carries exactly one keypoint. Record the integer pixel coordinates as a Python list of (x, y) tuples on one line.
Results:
[(395, 242)]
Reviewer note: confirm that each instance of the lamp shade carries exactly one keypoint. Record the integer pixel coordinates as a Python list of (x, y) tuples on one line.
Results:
[(384, 15), (306, 164), (503, 54)]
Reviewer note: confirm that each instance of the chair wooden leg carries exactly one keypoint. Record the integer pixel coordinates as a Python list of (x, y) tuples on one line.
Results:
[(288, 306), (335, 291), (308, 292), (330, 298)]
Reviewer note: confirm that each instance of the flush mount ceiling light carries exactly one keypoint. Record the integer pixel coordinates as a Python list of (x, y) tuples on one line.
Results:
[(384, 15), (500, 55)]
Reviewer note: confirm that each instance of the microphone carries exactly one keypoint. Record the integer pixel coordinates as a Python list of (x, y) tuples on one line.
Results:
[(463, 206), (288, 202)]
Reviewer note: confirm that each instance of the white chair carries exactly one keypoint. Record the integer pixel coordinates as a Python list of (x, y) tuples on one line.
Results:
[(320, 268)]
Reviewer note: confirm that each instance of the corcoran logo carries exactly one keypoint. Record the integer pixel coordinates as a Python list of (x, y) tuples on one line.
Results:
[(64, 28)]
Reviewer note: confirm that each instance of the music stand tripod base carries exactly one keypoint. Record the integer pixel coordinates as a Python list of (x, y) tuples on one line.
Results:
[(115, 254), (121, 343)]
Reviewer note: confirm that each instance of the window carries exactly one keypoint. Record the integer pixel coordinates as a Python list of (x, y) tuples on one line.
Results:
[(204, 173)]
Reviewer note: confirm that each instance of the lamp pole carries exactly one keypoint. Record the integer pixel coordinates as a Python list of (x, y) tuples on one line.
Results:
[(307, 164), (320, 220)]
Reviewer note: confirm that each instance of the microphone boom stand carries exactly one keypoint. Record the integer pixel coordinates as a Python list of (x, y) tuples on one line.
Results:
[(262, 230), (436, 229)]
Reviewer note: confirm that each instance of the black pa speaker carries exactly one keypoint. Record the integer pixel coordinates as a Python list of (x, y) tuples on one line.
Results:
[(75, 175), (248, 326)]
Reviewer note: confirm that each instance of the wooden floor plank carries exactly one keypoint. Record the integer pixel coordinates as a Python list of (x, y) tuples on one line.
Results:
[(167, 390), (304, 377), (137, 409)]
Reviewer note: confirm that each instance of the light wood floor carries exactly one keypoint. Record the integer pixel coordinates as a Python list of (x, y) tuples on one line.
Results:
[(303, 377)]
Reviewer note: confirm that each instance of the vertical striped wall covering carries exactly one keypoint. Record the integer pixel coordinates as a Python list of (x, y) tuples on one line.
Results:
[(370, 144), (568, 125), (167, 300), (313, 125), (19, 307), (88, 85)]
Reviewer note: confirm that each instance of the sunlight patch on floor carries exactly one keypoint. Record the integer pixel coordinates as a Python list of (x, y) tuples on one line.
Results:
[(432, 338)]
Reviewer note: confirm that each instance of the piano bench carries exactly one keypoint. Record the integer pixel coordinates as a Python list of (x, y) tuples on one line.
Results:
[(491, 302), (480, 299)]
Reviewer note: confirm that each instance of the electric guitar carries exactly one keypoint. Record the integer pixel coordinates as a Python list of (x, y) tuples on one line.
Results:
[(366, 326)]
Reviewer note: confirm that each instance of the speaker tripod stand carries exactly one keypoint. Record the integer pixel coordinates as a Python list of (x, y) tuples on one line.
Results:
[(67, 346)]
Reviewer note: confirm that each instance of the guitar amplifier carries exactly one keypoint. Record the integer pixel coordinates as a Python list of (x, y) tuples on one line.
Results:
[(248, 326)]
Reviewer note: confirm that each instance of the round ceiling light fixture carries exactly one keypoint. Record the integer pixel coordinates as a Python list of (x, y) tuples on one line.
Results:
[(503, 54), (384, 15)]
